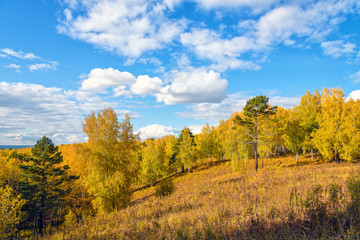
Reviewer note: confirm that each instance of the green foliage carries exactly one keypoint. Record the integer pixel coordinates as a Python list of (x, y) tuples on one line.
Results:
[(165, 188), (185, 150), (43, 182), (10, 212), (294, 135), (256, 115), (255, 109)]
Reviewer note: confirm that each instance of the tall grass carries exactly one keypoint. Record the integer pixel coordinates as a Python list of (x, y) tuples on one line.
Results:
[(280, 201)]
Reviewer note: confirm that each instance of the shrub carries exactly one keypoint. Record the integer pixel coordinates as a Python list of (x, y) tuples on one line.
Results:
[(70, 220), (165, 188), (353, 184)]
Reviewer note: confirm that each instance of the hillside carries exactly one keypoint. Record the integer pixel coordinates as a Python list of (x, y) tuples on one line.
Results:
[(281, 200)]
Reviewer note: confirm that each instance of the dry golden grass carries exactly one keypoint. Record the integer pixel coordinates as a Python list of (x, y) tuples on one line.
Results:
[(214, 203)]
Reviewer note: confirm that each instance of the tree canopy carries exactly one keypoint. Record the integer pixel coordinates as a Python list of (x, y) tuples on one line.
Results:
[(256, 114)]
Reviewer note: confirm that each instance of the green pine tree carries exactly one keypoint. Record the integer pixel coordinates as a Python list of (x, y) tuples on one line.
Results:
[(43, 182), (256, 114)]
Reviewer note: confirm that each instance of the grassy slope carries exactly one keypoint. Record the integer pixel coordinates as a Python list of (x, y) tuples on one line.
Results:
[(214, 203)]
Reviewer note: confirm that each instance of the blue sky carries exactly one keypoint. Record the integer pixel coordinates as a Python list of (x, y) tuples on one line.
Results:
[(167, 63)]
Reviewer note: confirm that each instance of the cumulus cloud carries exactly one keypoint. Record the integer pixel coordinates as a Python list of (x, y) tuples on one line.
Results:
[(355, 95), (99, 79), (193, 86), (190, 86), (19, 54), (133, 27), (146, 85), (128, 27), (214, 112), (284, 24), (312, 21), (337, 48), (29, 111), (224, 52), (196, 129), (156, 131)]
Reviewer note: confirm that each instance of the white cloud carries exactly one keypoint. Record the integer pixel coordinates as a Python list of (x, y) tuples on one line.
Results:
[(29, 111), (156, 131), (193, 86), (123, 83), (19, 54), (285, 102), (284, 24), (188, 86), (279, 24), (196, 129), (312, 21), (43, 66), (337, 48), (99, 79), (355, 95), (214, 112), (46, 65), (122, 91), (25, 107), (234, 63), (146, 85), (224, 52), (355, 77), (14, 66), (133, 27), (128, 27), (255, 5)]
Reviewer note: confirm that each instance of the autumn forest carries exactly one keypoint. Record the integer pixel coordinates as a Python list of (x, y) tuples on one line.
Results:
[(266, 172)]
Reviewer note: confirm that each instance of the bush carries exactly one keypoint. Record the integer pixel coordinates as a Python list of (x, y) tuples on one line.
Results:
[(70, 220), (165, 188), (353, 184)]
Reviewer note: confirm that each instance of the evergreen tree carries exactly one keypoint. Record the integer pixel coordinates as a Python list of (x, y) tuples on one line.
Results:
[(256, 114), (44, 181), (169, 142), (184, 150)]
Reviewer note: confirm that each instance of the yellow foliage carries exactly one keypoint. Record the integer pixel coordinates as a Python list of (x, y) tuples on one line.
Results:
[(10, 211), (113, 159)]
